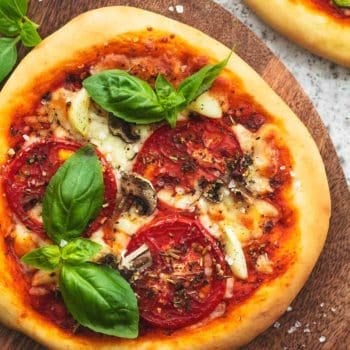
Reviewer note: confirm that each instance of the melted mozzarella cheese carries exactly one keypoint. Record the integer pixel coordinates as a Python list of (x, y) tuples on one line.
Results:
[(118, 152), (264, 264), (235, 255), (262, 156), (97, 237), (207, 105), (179, 199), (130, 222)]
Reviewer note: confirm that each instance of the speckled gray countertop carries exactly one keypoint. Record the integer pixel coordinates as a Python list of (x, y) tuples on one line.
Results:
[(327, 84)]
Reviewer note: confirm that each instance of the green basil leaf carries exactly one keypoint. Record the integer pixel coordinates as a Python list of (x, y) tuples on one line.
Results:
[(127, 97), (199, 82), (80, 250), (9, 27), (171, 117), (46, 258), (100, 299), (74, 196), (168, 97), (29, 35), (15, 9), (342, 3), (8, 56)]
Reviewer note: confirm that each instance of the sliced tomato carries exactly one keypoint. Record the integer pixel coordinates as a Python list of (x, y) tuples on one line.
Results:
[(28, 174), (186, 280), (198, 149)]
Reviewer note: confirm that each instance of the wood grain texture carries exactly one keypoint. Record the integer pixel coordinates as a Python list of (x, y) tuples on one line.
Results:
[(323, 306)]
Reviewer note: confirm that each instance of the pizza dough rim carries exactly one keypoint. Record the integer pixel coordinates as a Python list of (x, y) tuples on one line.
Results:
[(313, 198), (312, 29)]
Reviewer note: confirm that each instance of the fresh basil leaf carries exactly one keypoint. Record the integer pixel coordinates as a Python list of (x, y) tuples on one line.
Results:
[(15, 9), (74, 196), (167, 95), (8, 56), (342, 3), (100, 299), (29, 35), (9, 27), (46, 258), (80, 250), (127, 97), (201, 81), (171, 117)]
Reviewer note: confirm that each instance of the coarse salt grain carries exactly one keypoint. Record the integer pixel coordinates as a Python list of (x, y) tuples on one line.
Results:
[(179, 8), (282, 167), (289, 309), (322, 305), (291, 330), (277, 325), (333, 309), (25, 137), (307, 330), (322, 339), (171, 8), (297, 324)]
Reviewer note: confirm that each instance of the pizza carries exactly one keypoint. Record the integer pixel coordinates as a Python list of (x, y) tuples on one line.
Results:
[(156, 193), (321, 26)]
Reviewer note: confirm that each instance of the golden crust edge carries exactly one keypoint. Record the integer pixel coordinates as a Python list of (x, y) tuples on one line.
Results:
[(309, 170), (313, 30)]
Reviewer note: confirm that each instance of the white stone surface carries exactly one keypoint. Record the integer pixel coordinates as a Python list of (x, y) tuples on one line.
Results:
[(327, 84)]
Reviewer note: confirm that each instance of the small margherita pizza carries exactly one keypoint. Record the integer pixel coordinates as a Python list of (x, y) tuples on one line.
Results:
[(322, 26), (155, 192)]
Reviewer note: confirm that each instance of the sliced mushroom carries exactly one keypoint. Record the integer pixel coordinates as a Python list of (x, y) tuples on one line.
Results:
[(122, 129), (139, 260), (140, 191)]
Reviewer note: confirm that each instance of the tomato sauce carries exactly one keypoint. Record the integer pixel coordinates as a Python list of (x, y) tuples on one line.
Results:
[(340, 13), (146, 57)]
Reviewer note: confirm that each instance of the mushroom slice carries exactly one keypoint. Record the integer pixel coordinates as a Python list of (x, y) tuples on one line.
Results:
[(122, 129), (140, 191), (139, 260)]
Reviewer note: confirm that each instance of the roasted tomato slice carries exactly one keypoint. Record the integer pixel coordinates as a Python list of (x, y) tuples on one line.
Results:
[(199, 149), (28, 174), (185, 281)]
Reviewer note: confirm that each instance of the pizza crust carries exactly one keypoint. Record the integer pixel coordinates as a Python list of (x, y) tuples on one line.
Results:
[(313, 199), (318, 32)]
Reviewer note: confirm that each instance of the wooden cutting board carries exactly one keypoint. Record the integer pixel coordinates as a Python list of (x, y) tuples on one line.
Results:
[(323, 306)]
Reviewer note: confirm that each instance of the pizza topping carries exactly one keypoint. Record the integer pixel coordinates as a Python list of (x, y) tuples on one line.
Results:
[(342, 3), (139, 260), (139, 192), (28, 174), (195, 150), (78, 112), (185, 282), (73, 197), (206, 105), (235, 254), (124, 130), (263, 264), (79, 182), (133, 100)]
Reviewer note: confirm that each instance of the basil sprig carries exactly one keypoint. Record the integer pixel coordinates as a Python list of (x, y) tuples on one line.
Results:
[(96, 296), (342, 3), (133, 100), (51, 257), (16, 26), (74, 196)]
